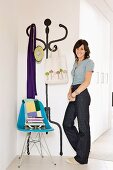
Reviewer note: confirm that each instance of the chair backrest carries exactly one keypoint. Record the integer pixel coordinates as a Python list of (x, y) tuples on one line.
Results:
[(33, 107)]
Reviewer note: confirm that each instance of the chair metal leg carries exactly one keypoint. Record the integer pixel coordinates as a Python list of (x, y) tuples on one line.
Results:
[(34, 142), (30, 142), (40, 145), (23, 150), (47, 149)]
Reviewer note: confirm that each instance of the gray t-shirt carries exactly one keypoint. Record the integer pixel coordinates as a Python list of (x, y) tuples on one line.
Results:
[(79, 70)]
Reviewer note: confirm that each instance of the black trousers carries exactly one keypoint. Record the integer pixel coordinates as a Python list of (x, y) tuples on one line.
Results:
[(79, 138)]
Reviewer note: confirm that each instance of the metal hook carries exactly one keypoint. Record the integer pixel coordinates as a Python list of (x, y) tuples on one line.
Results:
[(27, 32), (55, 46)]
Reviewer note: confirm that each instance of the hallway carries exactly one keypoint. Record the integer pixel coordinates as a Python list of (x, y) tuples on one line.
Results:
[(85, 19)]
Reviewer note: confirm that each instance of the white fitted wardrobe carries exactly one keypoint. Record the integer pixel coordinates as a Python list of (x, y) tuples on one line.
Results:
[(95, 28)]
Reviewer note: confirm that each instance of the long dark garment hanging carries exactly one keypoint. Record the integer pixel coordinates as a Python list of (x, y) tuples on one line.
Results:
[(31, 64)]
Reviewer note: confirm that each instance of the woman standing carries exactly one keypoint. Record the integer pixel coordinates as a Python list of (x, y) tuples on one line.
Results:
[(79, 101)]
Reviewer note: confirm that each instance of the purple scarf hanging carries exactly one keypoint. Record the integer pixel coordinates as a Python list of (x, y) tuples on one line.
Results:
[(31, 64)]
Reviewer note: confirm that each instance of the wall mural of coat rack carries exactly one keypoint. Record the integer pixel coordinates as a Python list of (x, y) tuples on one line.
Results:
[(46, 48)]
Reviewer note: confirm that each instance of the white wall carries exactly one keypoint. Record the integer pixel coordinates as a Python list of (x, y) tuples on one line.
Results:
[(8, 82), (60, 12), (112, 52), (112, 61)]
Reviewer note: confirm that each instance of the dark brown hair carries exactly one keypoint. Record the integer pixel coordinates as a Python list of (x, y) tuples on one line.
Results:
[(86, 48)]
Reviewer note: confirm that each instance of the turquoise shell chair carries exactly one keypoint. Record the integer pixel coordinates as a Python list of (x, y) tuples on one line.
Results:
[(21, 119), (39, 133)]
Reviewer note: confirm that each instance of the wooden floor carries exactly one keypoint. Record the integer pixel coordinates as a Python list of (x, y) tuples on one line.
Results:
[(38, 163), (101, 152)]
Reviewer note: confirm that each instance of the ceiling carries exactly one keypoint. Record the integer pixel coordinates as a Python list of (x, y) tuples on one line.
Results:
[(109, 3), (105, 7)]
